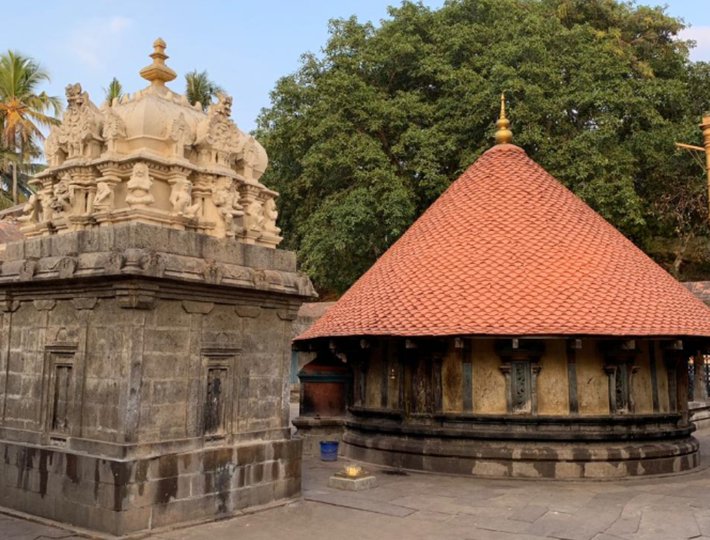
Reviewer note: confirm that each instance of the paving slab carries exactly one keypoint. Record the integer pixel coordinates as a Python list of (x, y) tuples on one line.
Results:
[(424, 506)]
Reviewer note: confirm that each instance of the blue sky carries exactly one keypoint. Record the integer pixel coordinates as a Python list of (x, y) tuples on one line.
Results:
[(245, 46)]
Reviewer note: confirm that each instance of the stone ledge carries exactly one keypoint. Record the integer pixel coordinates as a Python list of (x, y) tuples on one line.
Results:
[(121, 497), (137, 249), (522, 459)]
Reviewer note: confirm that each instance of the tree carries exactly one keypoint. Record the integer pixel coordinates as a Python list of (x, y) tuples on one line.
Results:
[(364, 137), (200, 89), (23, 112), (114, 91)]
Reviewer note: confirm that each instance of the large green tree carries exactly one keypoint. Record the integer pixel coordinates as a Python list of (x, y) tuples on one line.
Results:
[(24, 111), (364, 136)]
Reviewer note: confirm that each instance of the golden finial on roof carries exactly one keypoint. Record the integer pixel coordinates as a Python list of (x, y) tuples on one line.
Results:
[(503, 134), (158, 73)]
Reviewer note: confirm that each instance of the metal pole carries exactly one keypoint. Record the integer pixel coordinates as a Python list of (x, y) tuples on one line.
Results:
[(705, 126)]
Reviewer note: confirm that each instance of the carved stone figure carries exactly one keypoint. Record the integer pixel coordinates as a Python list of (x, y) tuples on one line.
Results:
[(81, 123), (181, 198), (250, 159), (63, 195), (52, 150), (226, 199), (157, 128), (181, 134), (139, 187), (223, 107), (113, 129), (270, 215), (31, 211), (46, 199), (103, 200), (255, 216), (218, 139)]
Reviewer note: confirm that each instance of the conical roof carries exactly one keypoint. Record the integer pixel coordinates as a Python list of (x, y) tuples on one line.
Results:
[(508, 250)]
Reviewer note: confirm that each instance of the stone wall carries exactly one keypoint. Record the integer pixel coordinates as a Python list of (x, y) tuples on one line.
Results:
[(146, 377), (125, 496), (555, 408)]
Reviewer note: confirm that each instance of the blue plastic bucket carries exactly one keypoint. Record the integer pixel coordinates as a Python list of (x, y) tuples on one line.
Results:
[(329, 450)]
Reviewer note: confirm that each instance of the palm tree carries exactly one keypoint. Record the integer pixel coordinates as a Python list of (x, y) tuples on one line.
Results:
[(114, 91), (23, 111), (199, 88)]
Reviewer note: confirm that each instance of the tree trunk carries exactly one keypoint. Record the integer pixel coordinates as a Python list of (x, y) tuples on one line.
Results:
[(680, 254), (14, 183)]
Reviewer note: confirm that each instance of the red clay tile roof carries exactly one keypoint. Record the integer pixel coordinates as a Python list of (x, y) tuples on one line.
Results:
[(508, 250)]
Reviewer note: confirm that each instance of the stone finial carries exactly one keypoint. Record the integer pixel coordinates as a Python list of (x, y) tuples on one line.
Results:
[(503, 134), (158, 73)]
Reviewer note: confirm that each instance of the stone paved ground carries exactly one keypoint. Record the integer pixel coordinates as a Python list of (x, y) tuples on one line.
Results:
[(418, 506)]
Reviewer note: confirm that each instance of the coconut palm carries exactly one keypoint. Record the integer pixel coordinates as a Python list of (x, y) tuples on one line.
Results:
[(199, 88), (114, 91), (23, 111)]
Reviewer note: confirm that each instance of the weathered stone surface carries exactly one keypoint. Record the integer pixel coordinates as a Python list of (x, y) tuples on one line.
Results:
[(155, 158), (352, 484), (134, 397), (120, 497)]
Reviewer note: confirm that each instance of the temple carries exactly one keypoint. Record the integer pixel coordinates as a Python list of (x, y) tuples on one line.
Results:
[(151, 157), (145, 320), (512, 332)]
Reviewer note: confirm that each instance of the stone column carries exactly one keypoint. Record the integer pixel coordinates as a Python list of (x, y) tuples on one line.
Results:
[(700, 392), (610, 371), (534, 372)]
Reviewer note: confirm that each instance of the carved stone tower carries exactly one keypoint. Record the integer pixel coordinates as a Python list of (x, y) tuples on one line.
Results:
[(145, 320)]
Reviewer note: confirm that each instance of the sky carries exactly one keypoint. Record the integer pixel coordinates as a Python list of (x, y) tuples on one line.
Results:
[(245, 46)]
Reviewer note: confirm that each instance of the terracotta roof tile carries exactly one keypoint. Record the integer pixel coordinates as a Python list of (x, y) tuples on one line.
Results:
[(508, 250)]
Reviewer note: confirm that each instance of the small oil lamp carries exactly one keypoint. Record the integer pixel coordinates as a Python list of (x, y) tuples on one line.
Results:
[(353, 471)]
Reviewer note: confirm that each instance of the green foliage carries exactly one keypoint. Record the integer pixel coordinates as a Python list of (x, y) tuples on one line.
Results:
[(199, 88), (114, 91), (365, 136), (23, 112)]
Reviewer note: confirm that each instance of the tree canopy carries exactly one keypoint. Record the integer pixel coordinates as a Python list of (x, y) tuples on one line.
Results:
[(114, 91), (199, 88), (364, 136), (23, 112)]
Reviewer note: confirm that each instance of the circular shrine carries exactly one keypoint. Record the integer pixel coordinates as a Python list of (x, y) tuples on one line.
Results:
[(513, 332)]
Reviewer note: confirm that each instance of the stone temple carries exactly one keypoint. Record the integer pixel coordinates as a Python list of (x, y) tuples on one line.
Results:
[(512, 332), (145, 320)]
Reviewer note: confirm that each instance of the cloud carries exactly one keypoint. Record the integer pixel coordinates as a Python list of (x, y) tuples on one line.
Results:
[(701, 36), (93, 40)]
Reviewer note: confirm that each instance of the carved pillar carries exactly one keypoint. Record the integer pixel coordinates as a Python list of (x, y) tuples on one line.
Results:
[(359, 364), (675, 358), (619, 365), (436, 386), (535, 369), (611, 378), (654, 375), (632, 370), (505, 369), (463, 347), (520, 366), (572, 347), (700, 392)]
